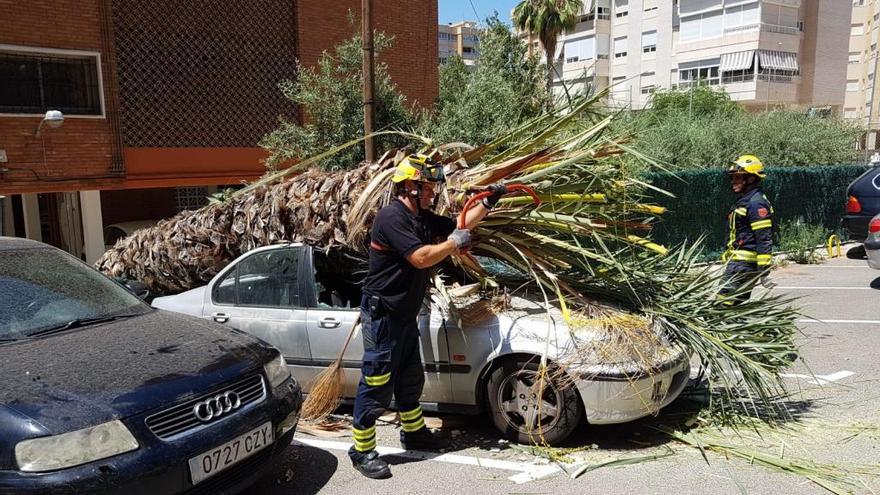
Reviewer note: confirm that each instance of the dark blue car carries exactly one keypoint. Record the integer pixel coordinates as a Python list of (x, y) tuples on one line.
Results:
[(863, 202), (99, 393)]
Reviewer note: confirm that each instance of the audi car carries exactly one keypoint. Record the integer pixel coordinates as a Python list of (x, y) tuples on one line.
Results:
[(103, 394)]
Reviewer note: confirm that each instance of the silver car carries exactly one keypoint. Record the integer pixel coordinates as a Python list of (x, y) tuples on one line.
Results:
[(872, 243), (476, 360)]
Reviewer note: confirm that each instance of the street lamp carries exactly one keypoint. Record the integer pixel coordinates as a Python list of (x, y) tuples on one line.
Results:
[(53, 118)]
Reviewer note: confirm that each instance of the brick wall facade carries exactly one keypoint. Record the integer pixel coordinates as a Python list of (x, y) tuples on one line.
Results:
[(412, 60), (86, 153), (83, 146)]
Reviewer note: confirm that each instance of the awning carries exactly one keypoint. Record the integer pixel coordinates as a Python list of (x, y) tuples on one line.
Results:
[(737, 61), (773, 59)]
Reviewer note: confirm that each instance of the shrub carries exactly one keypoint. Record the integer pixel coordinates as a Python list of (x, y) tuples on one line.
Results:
[(800, 240)]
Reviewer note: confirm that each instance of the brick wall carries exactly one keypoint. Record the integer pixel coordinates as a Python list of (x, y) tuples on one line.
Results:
[(82, 146), (412, 60)]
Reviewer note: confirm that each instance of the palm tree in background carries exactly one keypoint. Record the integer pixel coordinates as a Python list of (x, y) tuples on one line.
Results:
[(548, 19)]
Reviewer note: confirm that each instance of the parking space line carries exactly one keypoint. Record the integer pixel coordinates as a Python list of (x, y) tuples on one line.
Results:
[(855, 322), (801, 287), (820, 379), (525, 472)]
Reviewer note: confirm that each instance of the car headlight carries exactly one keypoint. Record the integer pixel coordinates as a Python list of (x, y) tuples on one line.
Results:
[(74, 448), (276, 371)]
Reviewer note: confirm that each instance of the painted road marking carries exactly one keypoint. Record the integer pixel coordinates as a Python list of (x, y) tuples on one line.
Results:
[(860, 322), (821, 288), (820, 379), (526, 472)]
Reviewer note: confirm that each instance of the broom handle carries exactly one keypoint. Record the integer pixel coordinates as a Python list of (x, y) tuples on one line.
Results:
[(348, 340)]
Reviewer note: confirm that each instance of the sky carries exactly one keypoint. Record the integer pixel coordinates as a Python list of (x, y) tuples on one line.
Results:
[(462, 10)]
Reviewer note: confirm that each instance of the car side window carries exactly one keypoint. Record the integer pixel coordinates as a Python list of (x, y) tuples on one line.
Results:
[(265, 279)]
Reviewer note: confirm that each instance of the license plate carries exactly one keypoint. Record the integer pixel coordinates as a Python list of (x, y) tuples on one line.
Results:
[(238, 449)]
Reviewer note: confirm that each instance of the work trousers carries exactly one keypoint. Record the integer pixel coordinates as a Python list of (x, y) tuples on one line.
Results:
[(737, 282), (392, 366)]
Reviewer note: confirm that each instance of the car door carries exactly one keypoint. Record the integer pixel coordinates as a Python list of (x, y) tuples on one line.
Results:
[(262, 294), (334, 310)]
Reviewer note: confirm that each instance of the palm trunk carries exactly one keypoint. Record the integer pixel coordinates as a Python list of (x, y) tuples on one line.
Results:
[(187, 250)]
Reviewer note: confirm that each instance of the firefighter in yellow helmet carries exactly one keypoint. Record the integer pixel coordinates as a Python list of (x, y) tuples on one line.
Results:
[(406, 241), (750, 231)]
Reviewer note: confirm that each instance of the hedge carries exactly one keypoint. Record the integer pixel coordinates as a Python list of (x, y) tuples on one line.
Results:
[(816, 195)]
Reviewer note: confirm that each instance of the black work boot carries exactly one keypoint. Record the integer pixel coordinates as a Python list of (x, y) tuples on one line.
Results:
[(423, 439), (369, 464)]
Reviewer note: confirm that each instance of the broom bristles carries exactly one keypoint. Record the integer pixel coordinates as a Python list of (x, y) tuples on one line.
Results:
[(325, 394)]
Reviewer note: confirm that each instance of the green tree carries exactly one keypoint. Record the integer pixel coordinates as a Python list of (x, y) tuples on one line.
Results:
[(697, 101), (547, 19), (478, 103), (330, 99), (781, 138)]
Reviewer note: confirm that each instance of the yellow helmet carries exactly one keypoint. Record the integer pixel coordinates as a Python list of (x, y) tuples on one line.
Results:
[(747, 164), (419, 168)]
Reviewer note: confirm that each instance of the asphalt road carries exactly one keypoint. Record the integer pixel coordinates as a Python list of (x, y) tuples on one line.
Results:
[(836, 396)]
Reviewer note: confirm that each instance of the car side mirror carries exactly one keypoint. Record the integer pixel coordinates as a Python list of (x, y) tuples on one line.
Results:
[(137, 288)]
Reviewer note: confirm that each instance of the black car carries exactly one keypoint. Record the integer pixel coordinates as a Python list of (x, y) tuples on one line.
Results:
[(863, 202), (100, 393)]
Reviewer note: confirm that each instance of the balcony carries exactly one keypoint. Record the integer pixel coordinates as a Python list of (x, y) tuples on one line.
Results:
[(763, 26)]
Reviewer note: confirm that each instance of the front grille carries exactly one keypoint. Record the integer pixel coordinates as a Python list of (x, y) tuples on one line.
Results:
[(180, 419)]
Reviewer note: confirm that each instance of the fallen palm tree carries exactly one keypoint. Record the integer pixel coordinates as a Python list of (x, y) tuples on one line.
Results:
[(585, 248)]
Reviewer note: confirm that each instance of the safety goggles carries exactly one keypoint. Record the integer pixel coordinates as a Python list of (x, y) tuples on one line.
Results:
[(433, 173)]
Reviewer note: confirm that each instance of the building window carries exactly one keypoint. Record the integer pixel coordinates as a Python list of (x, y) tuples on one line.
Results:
[(620, 47), (467, 49), (646, 90), (35, 83), (701, 26), (190, 198), (622, 14), (735, 76), (649, 41), (852, 85), (699, 74)]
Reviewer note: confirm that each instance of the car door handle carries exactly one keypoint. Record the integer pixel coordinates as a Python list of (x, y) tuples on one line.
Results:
[(220, 317), (329, 322)]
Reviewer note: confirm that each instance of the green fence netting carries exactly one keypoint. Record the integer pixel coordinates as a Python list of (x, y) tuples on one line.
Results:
[(815, 195)]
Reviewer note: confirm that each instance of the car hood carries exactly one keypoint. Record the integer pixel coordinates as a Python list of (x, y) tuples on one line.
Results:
[(87, 376), (189, 302)]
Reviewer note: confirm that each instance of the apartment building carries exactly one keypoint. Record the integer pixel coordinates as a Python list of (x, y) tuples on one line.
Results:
[(764, 53), (162, 102), (460, 38), (861, 104)]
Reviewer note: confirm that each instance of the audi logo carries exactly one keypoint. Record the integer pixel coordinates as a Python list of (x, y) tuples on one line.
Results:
[(216, 406)]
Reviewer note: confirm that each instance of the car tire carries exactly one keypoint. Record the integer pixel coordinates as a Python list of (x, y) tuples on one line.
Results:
[(512, 404)]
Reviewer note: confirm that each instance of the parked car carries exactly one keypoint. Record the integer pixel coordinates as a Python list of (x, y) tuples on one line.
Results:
[(863, 202), (100, 393), (301, 301), (872, 243)]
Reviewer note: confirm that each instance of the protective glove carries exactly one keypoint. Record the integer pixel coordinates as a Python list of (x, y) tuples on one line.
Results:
[(497, 191), (461, 238)]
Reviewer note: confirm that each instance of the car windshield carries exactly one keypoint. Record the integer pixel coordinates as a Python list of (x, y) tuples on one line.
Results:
[(45, 288)]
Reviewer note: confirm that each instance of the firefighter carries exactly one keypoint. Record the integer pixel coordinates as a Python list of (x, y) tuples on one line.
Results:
[(403, 248), (750, 224)]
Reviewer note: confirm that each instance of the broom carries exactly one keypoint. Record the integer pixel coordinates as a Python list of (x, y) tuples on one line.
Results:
[(327, 388)]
